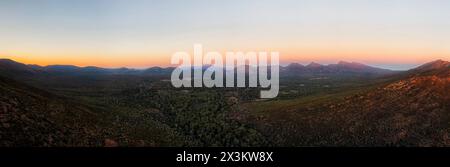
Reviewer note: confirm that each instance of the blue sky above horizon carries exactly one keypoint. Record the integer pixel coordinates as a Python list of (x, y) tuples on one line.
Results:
[(396, 34)]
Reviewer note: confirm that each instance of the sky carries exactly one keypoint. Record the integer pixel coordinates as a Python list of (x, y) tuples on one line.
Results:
[(396, 34)]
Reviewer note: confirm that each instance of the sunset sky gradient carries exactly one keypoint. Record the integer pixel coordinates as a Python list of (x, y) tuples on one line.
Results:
[(396, 34)]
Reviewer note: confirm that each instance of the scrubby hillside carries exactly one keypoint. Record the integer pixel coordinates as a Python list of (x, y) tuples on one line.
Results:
[(411, 111), (31, 117)]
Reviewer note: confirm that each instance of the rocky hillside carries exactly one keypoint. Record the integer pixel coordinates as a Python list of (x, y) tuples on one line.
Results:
[(414, 110)]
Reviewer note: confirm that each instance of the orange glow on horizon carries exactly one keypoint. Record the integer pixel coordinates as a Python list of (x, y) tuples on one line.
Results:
[(99, 61), (300, 54)]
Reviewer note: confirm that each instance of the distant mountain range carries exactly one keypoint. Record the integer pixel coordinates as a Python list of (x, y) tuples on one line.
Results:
[(10, 67), (341, 68)]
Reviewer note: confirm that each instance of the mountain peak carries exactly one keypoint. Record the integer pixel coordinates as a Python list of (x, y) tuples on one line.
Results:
[(437, 64), (11, 66), (7, 60), (352, 64), (314, 64), (343, 62), (441, 63), (294, 65), (10, 62)]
